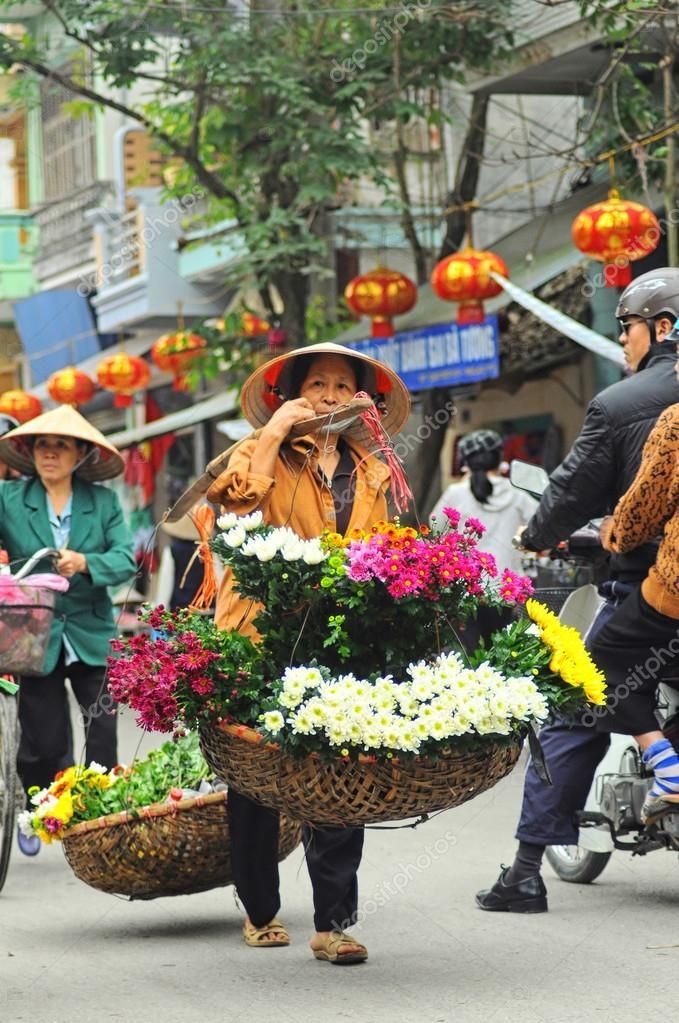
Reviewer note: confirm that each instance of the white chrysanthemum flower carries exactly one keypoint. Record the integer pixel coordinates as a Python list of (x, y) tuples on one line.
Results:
[(303, 723), (533, 630), (227, 521), (24, 822), (313, 553), (235, 537), (336, 735), (422, 688), (99, 768), (251, 521), (292, 551), (250, 547), (265, 550), (39, 797), (410, 740), (273, 721), (372, 737), (290, 700), (317, 710), (355, 731)]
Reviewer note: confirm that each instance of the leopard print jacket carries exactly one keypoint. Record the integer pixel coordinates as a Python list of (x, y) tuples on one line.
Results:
[(651, 507)]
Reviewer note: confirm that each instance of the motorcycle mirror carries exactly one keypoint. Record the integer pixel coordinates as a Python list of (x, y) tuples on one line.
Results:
[(526, 476)]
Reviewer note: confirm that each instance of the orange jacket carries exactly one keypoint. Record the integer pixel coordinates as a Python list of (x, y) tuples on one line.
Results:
[(651, 503), (296, 497)]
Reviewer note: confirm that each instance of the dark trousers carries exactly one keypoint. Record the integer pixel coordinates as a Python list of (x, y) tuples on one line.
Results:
[(45, 746), (572, 753), (333, 857), (635, 649)]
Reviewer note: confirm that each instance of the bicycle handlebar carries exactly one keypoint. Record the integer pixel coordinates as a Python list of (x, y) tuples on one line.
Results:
[(44, 552)]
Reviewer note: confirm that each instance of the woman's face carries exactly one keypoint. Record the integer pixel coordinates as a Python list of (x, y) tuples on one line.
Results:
[(56, 457), (331, 381)]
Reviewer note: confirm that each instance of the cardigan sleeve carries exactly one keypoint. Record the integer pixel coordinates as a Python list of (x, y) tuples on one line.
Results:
[(650, 502), (238, 489)]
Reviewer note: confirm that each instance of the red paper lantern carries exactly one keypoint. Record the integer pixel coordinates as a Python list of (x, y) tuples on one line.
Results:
[(254, 326), (123, 374), (20, 404), (616, 231), (176, 353), (70, 386), (465, 277), (381, 294)]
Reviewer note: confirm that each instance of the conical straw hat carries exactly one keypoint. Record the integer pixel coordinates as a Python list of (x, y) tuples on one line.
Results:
[(102, 463), (267, 388)]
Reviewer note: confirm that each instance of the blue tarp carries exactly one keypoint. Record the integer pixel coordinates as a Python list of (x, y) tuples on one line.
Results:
[(57, 329), (442, 355)]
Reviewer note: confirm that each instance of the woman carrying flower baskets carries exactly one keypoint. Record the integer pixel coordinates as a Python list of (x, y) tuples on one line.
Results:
[(324, 481)]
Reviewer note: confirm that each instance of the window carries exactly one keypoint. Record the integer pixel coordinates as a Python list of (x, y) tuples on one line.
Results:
[(13, 186), (68, 143)]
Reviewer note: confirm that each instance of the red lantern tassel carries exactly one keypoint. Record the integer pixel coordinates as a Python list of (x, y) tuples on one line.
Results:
[(400, 490), (382, 326), (617, 275), (203, 519)]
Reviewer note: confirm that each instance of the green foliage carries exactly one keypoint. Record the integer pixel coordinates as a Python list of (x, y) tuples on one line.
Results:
[(177, 764), (519, 650), (628, 103)]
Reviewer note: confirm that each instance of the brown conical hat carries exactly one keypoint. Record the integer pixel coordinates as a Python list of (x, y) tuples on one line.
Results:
[(103, 463), (267, 388)]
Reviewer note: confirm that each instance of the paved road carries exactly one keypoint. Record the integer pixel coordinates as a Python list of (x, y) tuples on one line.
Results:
[(69, 953)]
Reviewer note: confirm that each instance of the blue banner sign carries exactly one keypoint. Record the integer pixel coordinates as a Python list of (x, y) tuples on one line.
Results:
[(442, 355)]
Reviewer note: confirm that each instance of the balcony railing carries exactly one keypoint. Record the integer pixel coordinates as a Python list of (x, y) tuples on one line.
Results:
[(66, 243), (139, 278)]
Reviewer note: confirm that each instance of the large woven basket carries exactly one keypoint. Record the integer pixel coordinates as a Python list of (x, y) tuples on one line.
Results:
[(165, 849), (350, 792)]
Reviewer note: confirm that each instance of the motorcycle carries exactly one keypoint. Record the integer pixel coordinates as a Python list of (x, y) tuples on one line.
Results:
[(611, 818)]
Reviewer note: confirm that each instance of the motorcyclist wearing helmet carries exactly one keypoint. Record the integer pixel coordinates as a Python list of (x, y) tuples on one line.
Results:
[(7, 423), (596, 472)]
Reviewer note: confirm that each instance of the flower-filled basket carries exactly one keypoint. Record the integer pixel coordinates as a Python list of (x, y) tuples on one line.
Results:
[(179, 846), (360, 791), (26, 614), (358, 699)]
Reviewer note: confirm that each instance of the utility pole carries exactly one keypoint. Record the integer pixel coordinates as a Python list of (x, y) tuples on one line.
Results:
[(669, 190)]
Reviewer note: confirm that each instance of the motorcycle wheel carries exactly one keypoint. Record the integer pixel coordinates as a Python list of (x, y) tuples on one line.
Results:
[(576, 865)]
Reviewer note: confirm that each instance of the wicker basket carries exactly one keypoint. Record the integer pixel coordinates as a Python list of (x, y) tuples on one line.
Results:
[(167, 849), (350, 792)]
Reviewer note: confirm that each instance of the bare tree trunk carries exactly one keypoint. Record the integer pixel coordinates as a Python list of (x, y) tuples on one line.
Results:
[(293, 288), (466, 176)]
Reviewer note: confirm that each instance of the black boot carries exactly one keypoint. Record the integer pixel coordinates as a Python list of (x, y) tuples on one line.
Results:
[(526, 896)]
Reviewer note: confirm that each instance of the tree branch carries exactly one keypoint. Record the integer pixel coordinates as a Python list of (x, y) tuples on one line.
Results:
[(214, 185)]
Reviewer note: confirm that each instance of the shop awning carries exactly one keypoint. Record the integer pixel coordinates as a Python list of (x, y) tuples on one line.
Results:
[(210, 408), (565, 325)]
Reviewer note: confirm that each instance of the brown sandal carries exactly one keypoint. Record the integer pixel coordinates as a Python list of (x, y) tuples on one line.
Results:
[(271, 935), (330, 953)]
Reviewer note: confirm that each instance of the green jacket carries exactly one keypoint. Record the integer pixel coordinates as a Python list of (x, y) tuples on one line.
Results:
[(99, 532)]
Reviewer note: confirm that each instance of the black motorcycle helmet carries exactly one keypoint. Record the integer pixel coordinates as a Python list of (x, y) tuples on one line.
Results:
[(651, 295)]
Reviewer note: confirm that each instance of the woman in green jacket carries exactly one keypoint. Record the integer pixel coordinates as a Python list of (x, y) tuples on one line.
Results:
[(57, 505)]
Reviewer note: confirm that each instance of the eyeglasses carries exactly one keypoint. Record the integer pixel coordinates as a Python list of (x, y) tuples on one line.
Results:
[(626, 324)]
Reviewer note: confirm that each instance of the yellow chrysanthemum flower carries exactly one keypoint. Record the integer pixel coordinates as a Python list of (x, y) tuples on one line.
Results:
[(570, 659)]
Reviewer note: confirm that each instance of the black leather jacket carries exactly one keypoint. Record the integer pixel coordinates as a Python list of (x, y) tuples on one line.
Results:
[(605, 458)]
